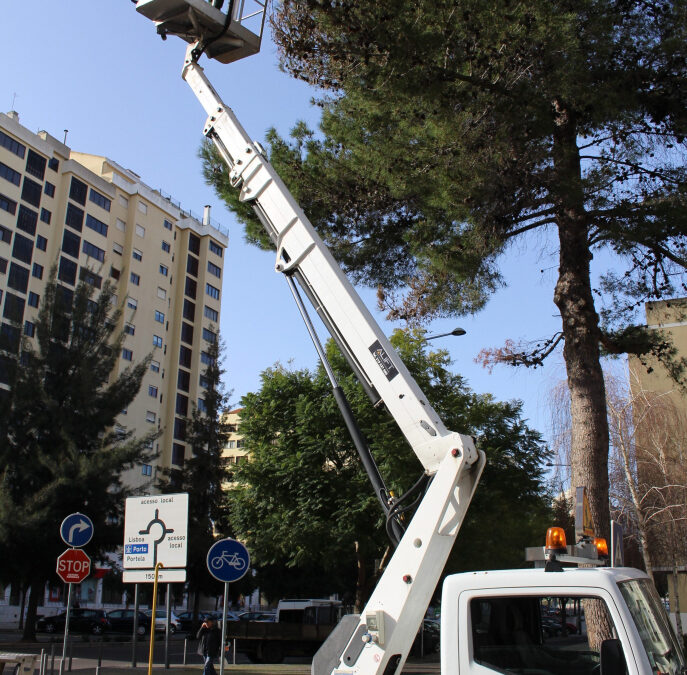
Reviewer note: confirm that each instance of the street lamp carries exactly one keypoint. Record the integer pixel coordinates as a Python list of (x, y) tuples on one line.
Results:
[(456, 331)]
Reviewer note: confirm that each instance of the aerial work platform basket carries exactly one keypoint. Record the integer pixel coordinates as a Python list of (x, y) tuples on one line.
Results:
[(226, 37)]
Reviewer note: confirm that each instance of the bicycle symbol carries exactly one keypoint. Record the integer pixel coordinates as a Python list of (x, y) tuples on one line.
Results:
[(230, 559)]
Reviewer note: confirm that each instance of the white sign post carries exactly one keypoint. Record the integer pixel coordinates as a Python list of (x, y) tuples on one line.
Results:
[(155, 530)]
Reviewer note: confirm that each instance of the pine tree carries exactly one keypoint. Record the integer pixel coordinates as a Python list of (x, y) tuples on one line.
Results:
[(451, 130), (204, 476), (60, 450)]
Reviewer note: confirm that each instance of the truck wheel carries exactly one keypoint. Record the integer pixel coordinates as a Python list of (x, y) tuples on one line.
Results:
[(270, 652)]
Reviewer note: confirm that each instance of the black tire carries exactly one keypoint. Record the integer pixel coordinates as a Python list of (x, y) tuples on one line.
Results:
[(49, 627), (97, 629), (172, 628), (140, 630)]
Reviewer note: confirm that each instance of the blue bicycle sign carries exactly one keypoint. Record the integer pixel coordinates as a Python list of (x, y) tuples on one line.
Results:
[(228, 560)]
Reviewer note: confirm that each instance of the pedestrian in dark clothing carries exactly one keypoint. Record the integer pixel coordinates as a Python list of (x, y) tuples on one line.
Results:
[(209, 639)]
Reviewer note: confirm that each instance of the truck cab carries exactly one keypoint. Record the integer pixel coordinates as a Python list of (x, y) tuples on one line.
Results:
[(532, 621)]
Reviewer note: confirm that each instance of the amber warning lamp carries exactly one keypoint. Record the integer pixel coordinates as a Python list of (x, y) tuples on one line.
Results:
[(601, 547), (555, 540)]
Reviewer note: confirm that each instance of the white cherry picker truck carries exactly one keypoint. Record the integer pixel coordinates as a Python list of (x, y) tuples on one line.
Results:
[(491, 622)]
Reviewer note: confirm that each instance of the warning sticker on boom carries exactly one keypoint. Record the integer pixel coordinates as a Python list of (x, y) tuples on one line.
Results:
[(383, 360)]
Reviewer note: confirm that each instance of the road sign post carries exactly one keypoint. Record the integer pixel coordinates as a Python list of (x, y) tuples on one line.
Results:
[(228, 560)]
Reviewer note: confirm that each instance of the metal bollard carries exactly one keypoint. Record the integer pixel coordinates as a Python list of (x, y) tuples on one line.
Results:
[(41, 668), (52, 659), (185, 645)]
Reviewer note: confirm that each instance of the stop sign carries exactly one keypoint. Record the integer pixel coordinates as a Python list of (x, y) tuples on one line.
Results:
[(73, 566)]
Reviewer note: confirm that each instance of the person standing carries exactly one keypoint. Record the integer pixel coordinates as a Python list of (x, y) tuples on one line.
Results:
[(209, 639)]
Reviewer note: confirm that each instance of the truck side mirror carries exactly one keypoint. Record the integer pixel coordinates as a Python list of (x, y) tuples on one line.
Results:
[(612, 658)]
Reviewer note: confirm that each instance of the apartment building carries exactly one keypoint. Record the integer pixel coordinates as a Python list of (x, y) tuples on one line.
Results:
[(235, 451), (96, 220)]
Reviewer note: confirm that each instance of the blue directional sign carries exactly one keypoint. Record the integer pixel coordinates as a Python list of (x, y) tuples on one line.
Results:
[(228, 560), (76, 530)]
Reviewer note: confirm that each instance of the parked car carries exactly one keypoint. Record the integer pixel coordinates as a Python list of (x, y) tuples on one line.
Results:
[(257, 616), (427, 639), (80, 621), (191, 627), (161, 620), (122, 621)]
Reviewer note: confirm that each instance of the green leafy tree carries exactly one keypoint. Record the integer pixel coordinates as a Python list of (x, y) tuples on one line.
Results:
[(204, 476), (453, 130), (60, 450), (303, 501)]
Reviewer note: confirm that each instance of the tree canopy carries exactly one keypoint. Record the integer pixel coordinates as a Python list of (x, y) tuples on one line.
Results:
[(303, 500), (452, 129), (61, 451)]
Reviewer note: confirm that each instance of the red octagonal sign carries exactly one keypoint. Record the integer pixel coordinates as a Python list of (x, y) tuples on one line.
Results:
[(73, 566)]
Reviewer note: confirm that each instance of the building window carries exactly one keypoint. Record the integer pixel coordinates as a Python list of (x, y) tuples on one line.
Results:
[(140, 230), (183, 378), (129, 328), (23, 248), (212, 291), (214, 270), (209, 336), (166, 247), (193, 243), (179, 429), (41, 243), (117, 248), (29, 328), (71, 243), (27, 220), (137, 255), (206, 358), (5, 235), (31, 192), (190, 288), (146, 470), (189, 310), (201, 405), (142, 207), (178, 452), (114, 272), (132, 303), (35, 164), (74, 217), (46, 216), (159, 316), (34, 299), (3, 266), (181, 405), (120, 225), (161, 293), (96, 225), (157, 341), (14, 308), (184, 356), (152, 390), (150, 416), (78, 191), (215, 248), (49, 189), (93, 251), (9, 174), (204, 382), (123, 201), (135, 278), (101, 200), (167, 225), (155, 366), (37, 271), (211, 314), (18, 278), (192, 265), (13, 146), (164, 270), (127, 354), (186, 332), (54, 164), (67, 271), (7, 204)]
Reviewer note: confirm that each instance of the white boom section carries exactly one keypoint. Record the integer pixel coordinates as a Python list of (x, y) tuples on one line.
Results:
[(379, 640), (299, 247)]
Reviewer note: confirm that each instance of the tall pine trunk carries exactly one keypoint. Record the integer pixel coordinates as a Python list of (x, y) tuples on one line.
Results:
[(37, 588), (580, 325)]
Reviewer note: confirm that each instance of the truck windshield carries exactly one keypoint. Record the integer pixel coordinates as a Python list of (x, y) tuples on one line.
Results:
[(658, 638)]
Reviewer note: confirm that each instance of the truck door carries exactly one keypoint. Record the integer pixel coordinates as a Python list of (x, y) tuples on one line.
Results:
[(516, 631)]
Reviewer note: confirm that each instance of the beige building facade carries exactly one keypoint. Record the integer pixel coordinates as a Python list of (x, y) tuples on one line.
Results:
[(95, 220)]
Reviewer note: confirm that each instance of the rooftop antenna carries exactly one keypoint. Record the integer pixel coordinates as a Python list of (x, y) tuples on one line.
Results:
[(66, 131), (14, 98)]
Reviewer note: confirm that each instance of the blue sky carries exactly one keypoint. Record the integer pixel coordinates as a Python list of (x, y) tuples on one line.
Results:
[(99, 70)]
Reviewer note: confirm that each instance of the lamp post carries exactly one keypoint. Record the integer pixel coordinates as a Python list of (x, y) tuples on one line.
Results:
[(456, 332)]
